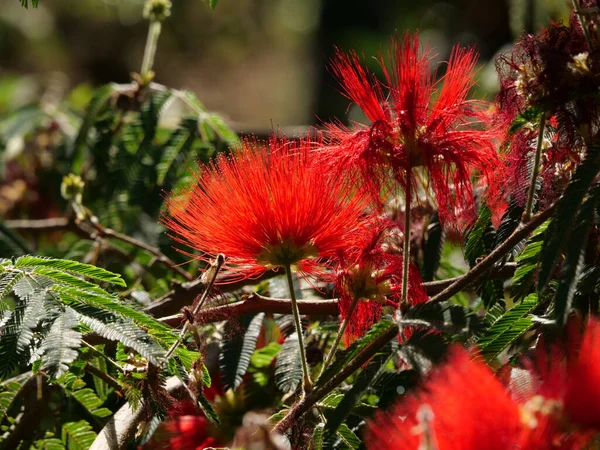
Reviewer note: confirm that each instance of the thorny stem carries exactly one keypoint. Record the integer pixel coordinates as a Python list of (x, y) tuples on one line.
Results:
[(150, 50), (406, 249), (339, 335), (212, 272), (536, 169), (307, 383), (582, 22)]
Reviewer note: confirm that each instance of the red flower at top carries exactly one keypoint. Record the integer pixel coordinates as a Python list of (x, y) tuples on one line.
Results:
[(420, 124), (265, 206)]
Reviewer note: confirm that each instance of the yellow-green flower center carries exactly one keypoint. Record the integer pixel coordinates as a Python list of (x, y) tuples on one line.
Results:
[(363, 284), (286, 253)]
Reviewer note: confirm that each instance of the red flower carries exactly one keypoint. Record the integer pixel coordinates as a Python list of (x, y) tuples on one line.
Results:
[(423, 126), (370, 271), (582, 396), (556, 74), (570, 373), (265, 206), (463, 406)]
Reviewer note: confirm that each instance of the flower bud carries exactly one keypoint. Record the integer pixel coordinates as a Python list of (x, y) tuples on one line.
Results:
[(157, 10), (71, 188)]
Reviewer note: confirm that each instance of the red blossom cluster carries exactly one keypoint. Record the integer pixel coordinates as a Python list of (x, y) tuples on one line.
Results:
[(464, 406), (308, 204), (317, 206), (554, 74), (421, 130)]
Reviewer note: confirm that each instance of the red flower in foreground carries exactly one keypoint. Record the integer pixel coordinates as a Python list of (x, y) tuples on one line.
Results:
[(463, 406), (571, 375), (265, 206), (422, 127), (372, 274)]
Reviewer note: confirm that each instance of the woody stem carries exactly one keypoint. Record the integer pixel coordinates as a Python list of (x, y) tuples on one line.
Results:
[(536, 169), (307, 383), (406, 252), (339, 335)]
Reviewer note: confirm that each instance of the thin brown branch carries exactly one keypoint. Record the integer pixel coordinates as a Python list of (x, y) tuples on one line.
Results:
[(112, 382), (487, 263), (319, 393), (121, 427), (99, 231), (184, 294), (160, 256), (256, 303), (40, 225)]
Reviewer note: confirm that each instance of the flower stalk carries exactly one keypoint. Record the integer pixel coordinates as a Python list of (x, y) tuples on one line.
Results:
[(155, 11), (536, 169), (307, 382), (406, 249), (339, 335), (150, 49)]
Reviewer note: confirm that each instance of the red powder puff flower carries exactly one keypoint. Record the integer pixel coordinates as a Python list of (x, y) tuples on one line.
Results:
[(570, 374), (265, 206), (463, 406), (420, 124), (371, 276)]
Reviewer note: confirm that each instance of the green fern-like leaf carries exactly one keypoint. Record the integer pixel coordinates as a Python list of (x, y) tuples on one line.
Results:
[(237, 351), (117, 329), (72, 267), (49, 443), (344, 357), (527, 263), (348, 437), (288, 367), (574, 258), (360, 385), (10, 357), (563, 219), (177, 143), (34, 3), (317, 437), (90, 401), (61, 344), (8, 280), (207, 408), (78, 435), (97, 103), (507, 328)]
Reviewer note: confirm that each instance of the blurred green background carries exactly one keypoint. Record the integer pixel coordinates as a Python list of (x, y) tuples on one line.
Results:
[(257, 62)]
